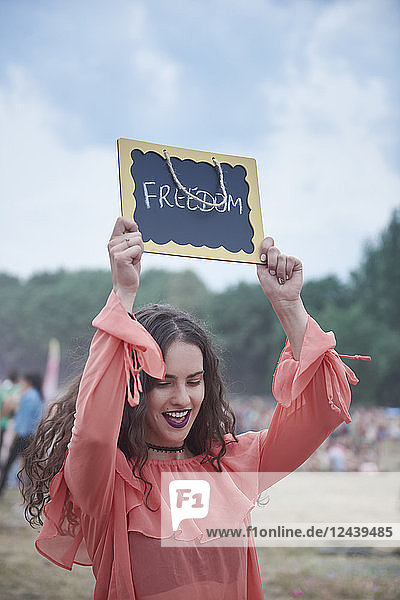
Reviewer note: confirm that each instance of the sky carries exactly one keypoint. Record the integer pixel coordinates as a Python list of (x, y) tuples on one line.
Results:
[(310, 89)]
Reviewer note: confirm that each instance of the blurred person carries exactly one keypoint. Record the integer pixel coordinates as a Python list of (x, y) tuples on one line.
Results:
[(9, 397), (151, 401), (26, 419), (337, 455), (381, 437), (367, 458)]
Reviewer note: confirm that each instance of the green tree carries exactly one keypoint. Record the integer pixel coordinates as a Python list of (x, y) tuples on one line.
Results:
[(377, 281), (319, 293), (250, 337), (183, 289), (11, 300), (376, 285), (48, 305)]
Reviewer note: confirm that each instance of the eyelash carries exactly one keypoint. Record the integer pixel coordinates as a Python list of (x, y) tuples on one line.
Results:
[(166, 383)]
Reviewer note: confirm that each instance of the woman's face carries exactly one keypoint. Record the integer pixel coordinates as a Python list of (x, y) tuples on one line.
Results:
[(174, 402)]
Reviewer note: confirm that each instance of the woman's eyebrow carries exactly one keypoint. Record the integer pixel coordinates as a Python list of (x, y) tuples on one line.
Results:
[(167, 375)]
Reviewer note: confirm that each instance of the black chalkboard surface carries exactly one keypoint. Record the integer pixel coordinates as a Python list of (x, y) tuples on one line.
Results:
[(191, 203)]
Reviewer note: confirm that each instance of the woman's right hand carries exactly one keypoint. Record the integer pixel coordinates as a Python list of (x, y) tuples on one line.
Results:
[(125, 249)]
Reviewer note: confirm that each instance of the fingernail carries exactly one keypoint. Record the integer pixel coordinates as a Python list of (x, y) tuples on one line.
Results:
[(272, 272), (263, 257), (281, 281)]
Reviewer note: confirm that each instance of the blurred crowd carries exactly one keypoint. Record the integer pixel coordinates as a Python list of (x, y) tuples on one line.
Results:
[(371, 442), (21, 408)]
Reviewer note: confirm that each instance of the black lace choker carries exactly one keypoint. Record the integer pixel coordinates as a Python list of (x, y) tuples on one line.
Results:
[(166, 448)]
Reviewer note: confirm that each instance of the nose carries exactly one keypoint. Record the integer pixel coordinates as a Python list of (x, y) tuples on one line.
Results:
[(181, 397)]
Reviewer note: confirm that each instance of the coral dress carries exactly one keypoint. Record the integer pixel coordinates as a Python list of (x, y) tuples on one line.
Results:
[(115, 532)]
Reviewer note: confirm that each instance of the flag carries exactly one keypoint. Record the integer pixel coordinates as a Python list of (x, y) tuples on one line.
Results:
[(51, 375)]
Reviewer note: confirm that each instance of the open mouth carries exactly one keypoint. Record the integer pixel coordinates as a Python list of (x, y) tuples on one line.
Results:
[(177, 418)]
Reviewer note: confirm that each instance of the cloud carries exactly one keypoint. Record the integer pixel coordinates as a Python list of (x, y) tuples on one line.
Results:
[(60, 194), (321, 123), (327, 178), (58, 202), (156, 75)]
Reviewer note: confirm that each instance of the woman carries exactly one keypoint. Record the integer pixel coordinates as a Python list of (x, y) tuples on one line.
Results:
[(151, 401), (26, 419)]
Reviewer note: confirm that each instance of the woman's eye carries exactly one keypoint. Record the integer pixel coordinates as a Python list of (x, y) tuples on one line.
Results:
[(163, 383), (194, 383)]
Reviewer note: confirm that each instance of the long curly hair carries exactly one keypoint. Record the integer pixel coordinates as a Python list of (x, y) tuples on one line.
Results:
[(45, 455)]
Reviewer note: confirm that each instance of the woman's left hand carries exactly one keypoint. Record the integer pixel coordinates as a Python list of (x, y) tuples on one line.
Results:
[(280, 276)]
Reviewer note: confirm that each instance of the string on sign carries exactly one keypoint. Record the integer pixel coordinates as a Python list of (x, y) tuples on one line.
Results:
[(188, 193)]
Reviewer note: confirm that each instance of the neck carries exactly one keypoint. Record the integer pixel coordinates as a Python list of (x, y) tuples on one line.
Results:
[(166, 448), (167, 452)]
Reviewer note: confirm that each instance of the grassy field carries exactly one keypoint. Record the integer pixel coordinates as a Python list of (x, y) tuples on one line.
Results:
[(286, 572), (306, 573)]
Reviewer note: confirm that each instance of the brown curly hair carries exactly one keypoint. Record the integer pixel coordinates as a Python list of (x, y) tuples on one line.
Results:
[(45, 455)]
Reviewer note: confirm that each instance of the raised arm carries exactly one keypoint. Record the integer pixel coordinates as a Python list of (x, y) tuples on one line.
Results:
[(311, 383), (281, 278), (120, 348)]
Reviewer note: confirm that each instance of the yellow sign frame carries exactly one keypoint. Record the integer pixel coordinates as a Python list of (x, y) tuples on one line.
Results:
[(128, 200)]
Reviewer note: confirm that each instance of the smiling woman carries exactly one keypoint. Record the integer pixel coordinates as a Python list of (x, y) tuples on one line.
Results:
[(151, 404), (174, 403), (183, 412)]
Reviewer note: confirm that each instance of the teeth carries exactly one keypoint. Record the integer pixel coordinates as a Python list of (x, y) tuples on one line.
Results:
[(177, 414)]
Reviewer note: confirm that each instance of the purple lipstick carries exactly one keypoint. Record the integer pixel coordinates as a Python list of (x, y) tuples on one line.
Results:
[(177, 418)]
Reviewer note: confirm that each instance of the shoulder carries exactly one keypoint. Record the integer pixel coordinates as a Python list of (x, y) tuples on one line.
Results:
[(247, 439), (244, 453)]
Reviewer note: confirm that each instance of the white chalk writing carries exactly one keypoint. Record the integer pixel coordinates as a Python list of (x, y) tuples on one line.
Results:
[(164, 196)]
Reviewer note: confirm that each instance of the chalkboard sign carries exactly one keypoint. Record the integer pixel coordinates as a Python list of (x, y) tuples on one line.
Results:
[(191, 203)]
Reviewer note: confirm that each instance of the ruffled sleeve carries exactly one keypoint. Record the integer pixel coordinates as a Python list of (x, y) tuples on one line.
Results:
[(121, 347), (313, 396)]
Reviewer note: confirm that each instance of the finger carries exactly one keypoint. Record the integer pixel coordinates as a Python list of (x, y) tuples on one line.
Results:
[(126, 240), (122, 225), (267, 243), (130, 255), (290, 264), (272, 259), (281, 268), (121, 243)]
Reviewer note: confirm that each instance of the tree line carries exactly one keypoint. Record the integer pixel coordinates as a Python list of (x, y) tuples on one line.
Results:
[(363, 312)]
